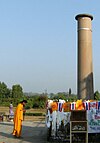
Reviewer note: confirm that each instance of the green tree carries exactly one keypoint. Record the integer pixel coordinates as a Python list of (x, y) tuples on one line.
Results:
[(69, 91), (97, 95), (4, 91), (17, 93)]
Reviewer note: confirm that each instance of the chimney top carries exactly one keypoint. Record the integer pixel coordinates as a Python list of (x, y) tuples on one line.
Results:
[(83, 15)]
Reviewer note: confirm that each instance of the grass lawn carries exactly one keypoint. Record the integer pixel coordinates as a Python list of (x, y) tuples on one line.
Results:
[(5, 110)]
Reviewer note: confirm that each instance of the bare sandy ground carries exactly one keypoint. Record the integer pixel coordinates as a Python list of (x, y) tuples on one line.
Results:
[(32, 132)]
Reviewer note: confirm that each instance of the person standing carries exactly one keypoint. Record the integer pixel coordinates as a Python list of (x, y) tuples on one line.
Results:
[(11, 109), (18, 118), (11, 113)]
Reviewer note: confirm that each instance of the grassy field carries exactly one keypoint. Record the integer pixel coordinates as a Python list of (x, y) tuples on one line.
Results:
[(5, 110)]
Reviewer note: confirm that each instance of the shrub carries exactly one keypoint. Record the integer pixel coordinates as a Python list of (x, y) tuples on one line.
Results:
[(34, 114)]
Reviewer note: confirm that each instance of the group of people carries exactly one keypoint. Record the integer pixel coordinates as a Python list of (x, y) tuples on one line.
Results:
[(18, 117)]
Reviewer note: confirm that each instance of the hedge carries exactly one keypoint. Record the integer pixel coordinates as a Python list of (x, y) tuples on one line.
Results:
[(34, 114)]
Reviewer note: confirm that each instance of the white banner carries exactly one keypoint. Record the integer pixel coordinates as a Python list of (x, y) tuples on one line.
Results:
[(93, 117)]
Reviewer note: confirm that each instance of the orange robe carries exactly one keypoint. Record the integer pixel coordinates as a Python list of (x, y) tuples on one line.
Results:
[(18, 118)]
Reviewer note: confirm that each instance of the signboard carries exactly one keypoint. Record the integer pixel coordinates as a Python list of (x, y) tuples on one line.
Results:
[(93, 117)]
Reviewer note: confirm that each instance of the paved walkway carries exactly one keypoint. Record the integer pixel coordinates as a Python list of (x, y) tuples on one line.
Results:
[(32, 132)]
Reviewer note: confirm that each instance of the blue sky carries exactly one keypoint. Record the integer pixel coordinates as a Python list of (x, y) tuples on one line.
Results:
[(38, 43)]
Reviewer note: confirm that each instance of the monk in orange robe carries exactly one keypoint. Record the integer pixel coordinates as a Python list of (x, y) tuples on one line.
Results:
[(18, 118)]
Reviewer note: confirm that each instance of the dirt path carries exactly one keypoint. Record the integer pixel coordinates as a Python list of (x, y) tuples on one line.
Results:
[(33, 132)]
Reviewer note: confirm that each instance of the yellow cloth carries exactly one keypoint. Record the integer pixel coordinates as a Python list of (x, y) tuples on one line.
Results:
[(79, 105), (18, 118)]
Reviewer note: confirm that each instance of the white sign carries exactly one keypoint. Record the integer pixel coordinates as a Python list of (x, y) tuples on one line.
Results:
[(93, 117)]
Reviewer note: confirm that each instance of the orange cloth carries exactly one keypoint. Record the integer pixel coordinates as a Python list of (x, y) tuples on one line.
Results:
[(54, 106), (66, 106), (79, 105), (18, 118)]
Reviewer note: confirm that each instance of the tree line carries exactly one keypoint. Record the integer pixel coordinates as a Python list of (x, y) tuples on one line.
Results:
[(16, 94)]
